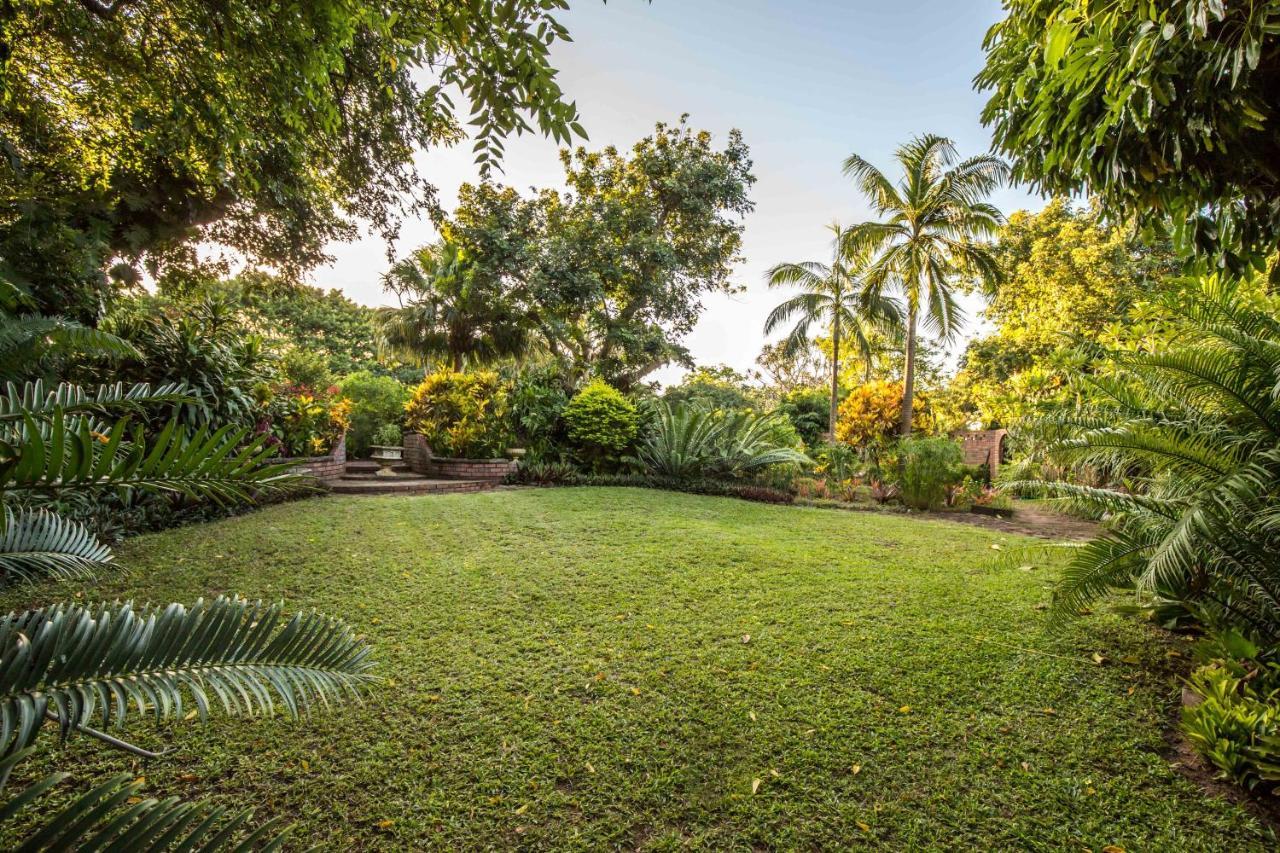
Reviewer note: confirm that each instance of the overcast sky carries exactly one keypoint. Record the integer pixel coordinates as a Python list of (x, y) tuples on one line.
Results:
[(807, 82)]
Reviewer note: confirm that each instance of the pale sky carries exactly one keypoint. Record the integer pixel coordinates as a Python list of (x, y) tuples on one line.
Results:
[(807, 82)]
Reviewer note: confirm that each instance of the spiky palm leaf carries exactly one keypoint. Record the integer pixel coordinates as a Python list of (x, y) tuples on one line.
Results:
[(72, 662), (38, 544), (688, 441), (114, 816), (36, 399), (1195, 432), (934, 222)]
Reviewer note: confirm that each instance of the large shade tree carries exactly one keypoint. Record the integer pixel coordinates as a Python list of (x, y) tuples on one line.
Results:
[(834, 297), (1163, 111), (614, 270), (135, 129), (929, 237)]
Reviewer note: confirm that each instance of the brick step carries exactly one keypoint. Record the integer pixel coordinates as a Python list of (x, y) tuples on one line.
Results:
[(373, 475), (368, 466), (405, 486)]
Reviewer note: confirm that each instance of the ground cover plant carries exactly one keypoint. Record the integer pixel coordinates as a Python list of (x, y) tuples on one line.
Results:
[(588, 668)]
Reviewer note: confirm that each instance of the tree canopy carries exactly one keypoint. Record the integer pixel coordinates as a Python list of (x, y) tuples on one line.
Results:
[(613, 271), (136, 129), (1162, 110)]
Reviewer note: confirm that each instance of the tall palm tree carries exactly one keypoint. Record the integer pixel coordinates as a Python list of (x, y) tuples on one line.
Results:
[(834, 296), (932, 229), (448, 312)]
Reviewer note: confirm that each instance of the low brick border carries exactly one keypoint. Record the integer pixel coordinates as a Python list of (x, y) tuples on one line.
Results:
[(418, 456), (326, 469)]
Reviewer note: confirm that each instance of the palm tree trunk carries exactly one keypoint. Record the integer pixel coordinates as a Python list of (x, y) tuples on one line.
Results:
[(835, 379), (909, 374)]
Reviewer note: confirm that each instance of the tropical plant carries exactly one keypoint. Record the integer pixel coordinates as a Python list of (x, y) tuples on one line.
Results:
[(688, 442), (835, 297), (601, 423), (454, 313), (1192, 431), (28, 341), (461, 415), (809, 410), (930, 468), (929, 236), (871, 413), (538, 399), (1165, 112), (376, 402), (303, 422)]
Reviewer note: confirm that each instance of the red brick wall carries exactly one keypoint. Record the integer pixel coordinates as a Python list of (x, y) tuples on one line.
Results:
[(490, 470), (984, 447), (323, 468), (417, 455)]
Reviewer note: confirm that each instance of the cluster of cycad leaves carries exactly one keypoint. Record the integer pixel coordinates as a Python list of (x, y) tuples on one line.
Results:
[(71, 665)]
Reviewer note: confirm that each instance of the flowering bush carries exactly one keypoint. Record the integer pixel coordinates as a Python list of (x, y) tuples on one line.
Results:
[(872, 412), (461, 415), (303, 422)]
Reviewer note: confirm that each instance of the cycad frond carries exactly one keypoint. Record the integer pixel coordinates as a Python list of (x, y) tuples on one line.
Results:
[(114, 816), (37, 544), (37, 400), (74, 661)]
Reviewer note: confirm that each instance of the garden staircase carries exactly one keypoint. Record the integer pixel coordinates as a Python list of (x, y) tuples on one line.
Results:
[(361, 477)]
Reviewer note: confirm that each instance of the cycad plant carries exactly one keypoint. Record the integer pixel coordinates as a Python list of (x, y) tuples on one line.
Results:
[(1193, 432), (929, 237), (71, 663), (688, 441), (834, 297)]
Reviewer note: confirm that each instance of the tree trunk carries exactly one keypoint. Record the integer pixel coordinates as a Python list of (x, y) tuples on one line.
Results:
[(835, 380), (909, 374)]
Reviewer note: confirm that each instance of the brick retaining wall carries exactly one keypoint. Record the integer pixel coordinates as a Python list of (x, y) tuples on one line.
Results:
[(323, 468), (417, 455), (984, 447)]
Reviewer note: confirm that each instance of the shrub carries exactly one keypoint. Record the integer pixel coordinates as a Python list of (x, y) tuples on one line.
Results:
[(808, 409), (929, 468), (302, 422), (461, 415), (601, 423), (376, 401), (872, 413), (545, 474), (388, 435), (808, 487), (538, 401), (306, 368)]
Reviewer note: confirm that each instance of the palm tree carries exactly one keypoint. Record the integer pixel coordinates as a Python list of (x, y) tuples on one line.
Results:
[(451, 314), (932, 225), (833, 295)]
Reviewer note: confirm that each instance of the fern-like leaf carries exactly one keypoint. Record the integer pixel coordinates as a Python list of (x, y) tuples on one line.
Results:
[(37, 544)]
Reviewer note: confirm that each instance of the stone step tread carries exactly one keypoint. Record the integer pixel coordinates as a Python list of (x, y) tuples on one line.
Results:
[(406, 485)]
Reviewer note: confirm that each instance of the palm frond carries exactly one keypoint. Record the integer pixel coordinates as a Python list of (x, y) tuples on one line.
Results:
[(71, 662)]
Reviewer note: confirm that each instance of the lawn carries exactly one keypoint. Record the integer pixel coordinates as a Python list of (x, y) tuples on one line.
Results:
[(593, 668)]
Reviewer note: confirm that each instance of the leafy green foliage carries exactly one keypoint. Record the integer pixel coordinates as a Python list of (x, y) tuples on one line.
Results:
[(808, 410), (691, 442), (135, 131), (871, 413), (462, 415), (377, 402), (930, 468), (1194, 431), (538, 400), (1164, 111), (715, 388), (601, 423), (613, 272), (1236, 724)]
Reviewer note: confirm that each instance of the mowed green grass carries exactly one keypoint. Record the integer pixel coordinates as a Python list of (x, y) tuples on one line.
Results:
[(618, 668)]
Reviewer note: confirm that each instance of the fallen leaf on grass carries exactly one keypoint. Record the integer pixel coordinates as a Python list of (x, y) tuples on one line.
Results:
[(905, 709), (755, 785), (386, 823), (1098, 659), (590, 769), (746, 638), (864, 827), (522, 809), (1113, 848), (775, 774), (856, 769)]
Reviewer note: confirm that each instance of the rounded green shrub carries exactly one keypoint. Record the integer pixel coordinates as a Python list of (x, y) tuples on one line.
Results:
[(376, 402), (929, 466), (601, 423)]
